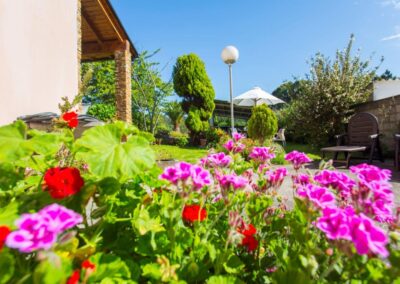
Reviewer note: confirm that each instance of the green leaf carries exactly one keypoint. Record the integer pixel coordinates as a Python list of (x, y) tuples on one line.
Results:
[(13, 142), (234, 265), (104, 150), (152, 271), (9, 214), (108, 266), (144, 223), (223, 279), (7, 267), (49, 272), (109, 186)]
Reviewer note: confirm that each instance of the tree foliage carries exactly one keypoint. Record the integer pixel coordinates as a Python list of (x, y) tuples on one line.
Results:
[(193, 85), (334, 88), (387, 75), (263, 123), (174, 112), (290, 90)]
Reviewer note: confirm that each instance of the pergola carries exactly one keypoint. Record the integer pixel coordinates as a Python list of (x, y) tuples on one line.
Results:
[(101, 36), (223, 109)]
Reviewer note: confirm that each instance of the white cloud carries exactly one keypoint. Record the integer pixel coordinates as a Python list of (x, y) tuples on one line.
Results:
[(394, 3), (395, 36)]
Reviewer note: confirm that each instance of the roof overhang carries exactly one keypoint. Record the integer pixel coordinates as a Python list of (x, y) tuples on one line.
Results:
[(102, 31)]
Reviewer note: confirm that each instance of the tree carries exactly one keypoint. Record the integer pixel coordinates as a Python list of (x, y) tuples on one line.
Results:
[(387, 75), (262, 124), (193, 85), (174, 112), (334, 88), (149, 92), (290, 90)]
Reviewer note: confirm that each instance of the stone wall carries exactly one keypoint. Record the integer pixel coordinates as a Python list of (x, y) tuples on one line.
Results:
[(123, 91), (388, 113)]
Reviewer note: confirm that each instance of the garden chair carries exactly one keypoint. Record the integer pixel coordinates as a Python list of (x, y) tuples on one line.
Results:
[(362, 136), (397, 151), (280, 137)]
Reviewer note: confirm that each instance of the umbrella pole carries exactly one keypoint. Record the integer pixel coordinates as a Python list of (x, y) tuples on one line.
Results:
[(230, 92)]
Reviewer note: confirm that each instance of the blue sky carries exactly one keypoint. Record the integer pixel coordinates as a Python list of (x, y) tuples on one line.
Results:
[(275, 38)]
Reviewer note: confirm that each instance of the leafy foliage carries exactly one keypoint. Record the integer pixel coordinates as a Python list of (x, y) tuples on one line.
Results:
[(174, 112), (262, 124), (105, 112), (193, 85)]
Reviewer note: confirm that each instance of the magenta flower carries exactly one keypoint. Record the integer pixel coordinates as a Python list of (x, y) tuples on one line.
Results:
[(301, 179), (297, 159), (40, 230), (369, 173), (237, 136), (231, 146), (319, 196), (334, 223), (231, 180), (337, 180), (185, 172), (262, 154), (217, 160), (367, 237), (275, 178)]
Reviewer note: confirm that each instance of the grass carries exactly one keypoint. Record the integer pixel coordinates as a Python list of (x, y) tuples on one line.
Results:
[(193, 154), (187, 154)]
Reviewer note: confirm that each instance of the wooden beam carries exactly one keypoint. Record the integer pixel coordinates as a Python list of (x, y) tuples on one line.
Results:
[(91, 26), (107, 47), (107, 13)]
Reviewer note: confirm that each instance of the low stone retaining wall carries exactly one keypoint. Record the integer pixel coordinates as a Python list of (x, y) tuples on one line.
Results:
[(388, 113)]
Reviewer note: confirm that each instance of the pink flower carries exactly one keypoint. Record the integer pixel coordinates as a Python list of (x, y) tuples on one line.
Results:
[(369, 173), (40, 230), (231, 146), (217, 160), (367, 237), (231, 180), (237, 136), (301, 179), (276, 177), (319, 196), (185, 172), (297, 159), (336, 180), (262, 154), (334, 223)]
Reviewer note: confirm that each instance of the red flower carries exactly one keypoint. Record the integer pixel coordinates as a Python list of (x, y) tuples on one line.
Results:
[(63, 182), (192, 213), (87, 264), (250, 242), (74, 278), (4, 232), (250, 230), (71, 118)]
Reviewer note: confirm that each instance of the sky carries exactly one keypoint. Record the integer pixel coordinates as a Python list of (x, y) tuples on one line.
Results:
[(275, 38)]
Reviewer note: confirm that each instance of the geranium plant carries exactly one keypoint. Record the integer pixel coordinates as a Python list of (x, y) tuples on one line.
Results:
[(99, 210)]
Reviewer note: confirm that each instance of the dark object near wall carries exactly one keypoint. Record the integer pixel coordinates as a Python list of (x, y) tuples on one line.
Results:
[(362, 136)]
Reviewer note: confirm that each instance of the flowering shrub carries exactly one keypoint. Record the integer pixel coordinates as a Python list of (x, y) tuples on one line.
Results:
[(98, 210)]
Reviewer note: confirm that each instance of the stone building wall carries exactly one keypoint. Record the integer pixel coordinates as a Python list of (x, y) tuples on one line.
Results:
[(388, 113)]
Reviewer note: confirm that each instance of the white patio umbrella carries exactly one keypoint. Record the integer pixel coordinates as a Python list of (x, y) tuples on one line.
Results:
[(256, 96)]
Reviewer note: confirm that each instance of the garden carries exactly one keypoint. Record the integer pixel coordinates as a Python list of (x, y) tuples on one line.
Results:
[(104, 207)]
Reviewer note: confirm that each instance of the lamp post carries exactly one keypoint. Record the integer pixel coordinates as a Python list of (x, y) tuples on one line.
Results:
[(230, 55)]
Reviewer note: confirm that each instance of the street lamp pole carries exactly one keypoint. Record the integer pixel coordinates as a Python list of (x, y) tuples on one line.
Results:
[(230, 55), (231, 97)]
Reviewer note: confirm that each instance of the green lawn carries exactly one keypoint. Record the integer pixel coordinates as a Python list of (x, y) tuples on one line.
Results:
[(193, 154), (187, 154)]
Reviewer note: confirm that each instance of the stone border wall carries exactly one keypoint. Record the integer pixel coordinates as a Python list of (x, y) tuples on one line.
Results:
[(388, 113)]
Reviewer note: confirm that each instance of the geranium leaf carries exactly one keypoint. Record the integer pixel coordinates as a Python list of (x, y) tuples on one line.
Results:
[(13, 142), (103, 148)]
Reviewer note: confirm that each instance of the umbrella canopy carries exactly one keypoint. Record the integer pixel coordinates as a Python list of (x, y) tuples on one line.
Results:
[(256, 96)]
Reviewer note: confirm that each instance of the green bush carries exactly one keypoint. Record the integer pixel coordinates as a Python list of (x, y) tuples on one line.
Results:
[(212, 136), (179, 138), (262, 124), (147, 135), (104, 112)]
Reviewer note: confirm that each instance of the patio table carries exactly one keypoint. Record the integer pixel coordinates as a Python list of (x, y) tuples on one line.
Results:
[(347, 150)]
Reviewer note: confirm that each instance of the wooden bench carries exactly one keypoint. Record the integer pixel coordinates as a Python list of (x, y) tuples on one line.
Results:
[(362, 136)]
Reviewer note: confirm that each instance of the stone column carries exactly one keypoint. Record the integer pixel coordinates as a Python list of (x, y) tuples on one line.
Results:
[(123, 82), (79, 38)]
